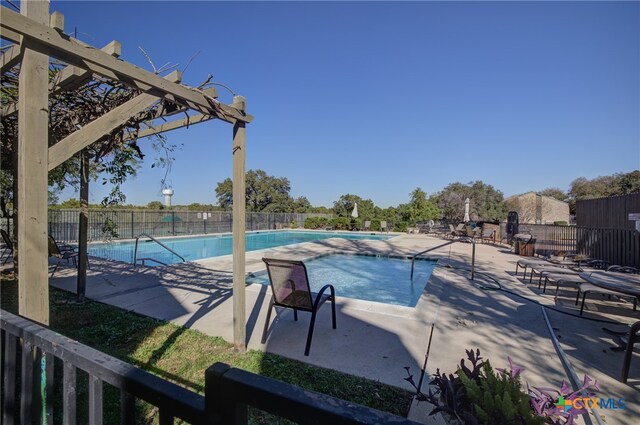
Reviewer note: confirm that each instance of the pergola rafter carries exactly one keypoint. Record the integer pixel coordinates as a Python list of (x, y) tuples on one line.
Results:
[(70, 51), (38, 37)]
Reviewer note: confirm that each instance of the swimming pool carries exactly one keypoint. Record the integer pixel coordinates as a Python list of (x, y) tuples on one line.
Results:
[(199, 247), (366, 277)]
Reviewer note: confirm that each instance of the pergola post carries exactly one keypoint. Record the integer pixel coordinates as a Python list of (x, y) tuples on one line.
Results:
[(32, 153), (239, 313), (83, 225)]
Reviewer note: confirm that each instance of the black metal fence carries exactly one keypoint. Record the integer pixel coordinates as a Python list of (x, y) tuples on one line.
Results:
[(121, 224), (29, 352)]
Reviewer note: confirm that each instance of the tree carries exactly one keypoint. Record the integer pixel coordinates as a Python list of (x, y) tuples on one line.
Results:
[(301, 205), (555, 193), (603, 186), (343, 207), (263, 193), (486, 203), (155, 205), (70, 203)]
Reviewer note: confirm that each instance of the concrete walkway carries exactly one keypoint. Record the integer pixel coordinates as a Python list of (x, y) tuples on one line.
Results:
[(376, 340)]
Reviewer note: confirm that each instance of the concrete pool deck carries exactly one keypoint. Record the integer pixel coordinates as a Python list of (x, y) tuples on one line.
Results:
[(377, 341)]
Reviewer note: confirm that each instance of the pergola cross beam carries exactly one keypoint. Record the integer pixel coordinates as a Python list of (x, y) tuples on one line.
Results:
[(73, 53)]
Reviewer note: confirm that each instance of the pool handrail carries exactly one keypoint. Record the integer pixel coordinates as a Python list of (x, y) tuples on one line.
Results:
[(413, 257), (135, 252)]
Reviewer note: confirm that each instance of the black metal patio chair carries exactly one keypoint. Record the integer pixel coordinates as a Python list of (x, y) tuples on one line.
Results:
[(290, 285), (61, 253), (8, 245)]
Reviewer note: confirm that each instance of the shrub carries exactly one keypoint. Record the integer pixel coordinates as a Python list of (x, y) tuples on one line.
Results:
[(560, 223), (315, 222), (401, 226), (341, 223), (375, 224), (294, 224)]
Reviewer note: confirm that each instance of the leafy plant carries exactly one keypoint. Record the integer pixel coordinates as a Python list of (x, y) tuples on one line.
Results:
[(477, 394), (545, 401)]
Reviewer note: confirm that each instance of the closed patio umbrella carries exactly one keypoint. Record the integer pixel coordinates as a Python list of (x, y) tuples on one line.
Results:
[(466, 210), (354, 213)]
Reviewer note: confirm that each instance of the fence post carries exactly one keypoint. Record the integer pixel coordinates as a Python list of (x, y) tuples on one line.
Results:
[(132, 233), (219, 403), (173, 222)]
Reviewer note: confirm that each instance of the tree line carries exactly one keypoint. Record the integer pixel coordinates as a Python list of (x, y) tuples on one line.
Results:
[(270, 194), (265, 193)]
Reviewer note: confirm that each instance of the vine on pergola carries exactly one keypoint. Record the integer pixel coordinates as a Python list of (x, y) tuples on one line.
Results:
[(71, 107)]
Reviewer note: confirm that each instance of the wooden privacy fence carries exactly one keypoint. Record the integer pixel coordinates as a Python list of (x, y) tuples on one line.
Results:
[(608, 213), (30, 352), (551, 237), (615, 246)]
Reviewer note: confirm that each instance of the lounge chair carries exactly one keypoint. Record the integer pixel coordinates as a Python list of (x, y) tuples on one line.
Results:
[(616, 287), (457, 231), (8, 246), (290, 286), (61, 252), (383, 226), (366, 226), (488, 235)]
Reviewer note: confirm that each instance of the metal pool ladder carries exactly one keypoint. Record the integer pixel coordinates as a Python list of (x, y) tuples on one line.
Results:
[(135, 252)]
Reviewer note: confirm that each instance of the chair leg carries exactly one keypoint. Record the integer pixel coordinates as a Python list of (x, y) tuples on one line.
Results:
[(266, 323), (310, 334), (584, 296), (54, 269), (633, 338)]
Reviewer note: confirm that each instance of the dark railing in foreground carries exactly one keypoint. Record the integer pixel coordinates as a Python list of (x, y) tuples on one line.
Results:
[(29, 351)]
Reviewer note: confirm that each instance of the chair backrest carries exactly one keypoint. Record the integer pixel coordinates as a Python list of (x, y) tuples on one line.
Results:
[(6, 239), (383, 225), (487, 233), (367, 224), (54, 250), (451, 228), (289, 283), (460, 227)]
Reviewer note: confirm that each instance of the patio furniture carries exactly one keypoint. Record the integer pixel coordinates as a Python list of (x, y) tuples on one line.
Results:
[(610, 283), (572, 278), (290, 286), (66, 252), (366, 226), (8, 246), (632, 338), (457, 231), (383, 226), (488, 235)]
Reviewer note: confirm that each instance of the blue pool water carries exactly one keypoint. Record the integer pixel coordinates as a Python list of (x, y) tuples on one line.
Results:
[(365, 277), (196, 248)]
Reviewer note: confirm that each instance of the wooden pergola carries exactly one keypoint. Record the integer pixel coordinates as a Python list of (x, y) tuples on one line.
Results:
[(36, 38)]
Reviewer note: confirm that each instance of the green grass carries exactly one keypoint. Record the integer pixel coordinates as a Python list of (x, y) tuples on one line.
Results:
[(182, 355)]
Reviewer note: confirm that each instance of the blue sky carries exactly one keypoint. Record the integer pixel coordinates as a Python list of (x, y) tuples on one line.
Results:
[(378, 98)]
